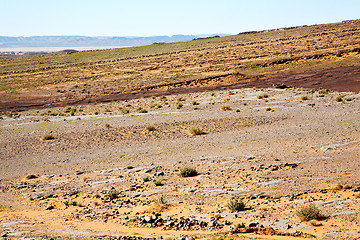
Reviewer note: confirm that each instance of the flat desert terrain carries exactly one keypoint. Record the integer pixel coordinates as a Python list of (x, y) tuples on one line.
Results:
[(111, 172)]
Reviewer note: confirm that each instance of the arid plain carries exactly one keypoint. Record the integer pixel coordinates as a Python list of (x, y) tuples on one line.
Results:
[(95, 144)]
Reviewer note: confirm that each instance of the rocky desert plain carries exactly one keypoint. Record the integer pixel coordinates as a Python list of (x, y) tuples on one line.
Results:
[(253, 136)]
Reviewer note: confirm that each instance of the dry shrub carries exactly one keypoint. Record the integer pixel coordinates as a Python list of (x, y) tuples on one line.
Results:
[(196, 131), (309, 212)]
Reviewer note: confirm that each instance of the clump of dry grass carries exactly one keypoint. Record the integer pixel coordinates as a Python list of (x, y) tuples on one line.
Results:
[(236, 205), (188, 172), (196, 131), (150, 128), (309, 212), (262, 96), (225, 108), (47, 136)]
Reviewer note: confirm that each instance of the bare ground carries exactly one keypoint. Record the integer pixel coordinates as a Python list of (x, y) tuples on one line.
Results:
[(276, 149)]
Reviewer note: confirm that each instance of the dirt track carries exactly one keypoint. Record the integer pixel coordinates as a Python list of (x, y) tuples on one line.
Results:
[(345, 79)]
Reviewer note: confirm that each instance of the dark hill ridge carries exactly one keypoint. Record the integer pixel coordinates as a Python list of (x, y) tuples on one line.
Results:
[(85, 41)]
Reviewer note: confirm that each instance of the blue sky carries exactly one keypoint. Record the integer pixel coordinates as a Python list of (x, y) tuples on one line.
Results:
[(165, 17)]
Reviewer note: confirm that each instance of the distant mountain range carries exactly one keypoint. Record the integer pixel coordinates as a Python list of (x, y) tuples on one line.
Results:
[(84, 41)]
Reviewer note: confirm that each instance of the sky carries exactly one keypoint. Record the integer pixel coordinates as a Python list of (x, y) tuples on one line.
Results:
[(165, 17)]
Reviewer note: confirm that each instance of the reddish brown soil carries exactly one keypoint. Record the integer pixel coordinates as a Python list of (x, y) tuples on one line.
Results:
[(343, 79)]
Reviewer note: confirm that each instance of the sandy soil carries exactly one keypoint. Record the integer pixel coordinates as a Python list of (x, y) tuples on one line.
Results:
[(276, 149)]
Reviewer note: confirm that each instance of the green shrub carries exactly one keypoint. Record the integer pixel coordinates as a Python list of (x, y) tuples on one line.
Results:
[(188, 172), (161, 200), (142, 110), (146, 179), (129, 167), (338, 99), (323, 91), (112, 194), (31, 176), (195, 103), (262, 96), (179, 105), (309, 212), (158, 183), (236, 205)]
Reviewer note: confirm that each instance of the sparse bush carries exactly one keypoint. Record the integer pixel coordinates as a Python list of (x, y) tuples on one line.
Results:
[(107, 125), (338, 187), (129, 167), (161, 203), (323, 91), (309, 212), (146, 179), (158, 183), (125, 111), (304, 98), (161, 200), (338, 99), (48, 136), (195, 103), (112, 194), (142, 110), (237, 110), (31, 176), (179, 105), (348, 99), (196, 131), (268, 109), (236, 205), (155, 105), (196, 108), (262, 96), (188, 172), (225, 108), (150, 128)]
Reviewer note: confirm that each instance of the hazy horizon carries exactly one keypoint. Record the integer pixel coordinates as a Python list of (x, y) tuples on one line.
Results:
[(23, 18)]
